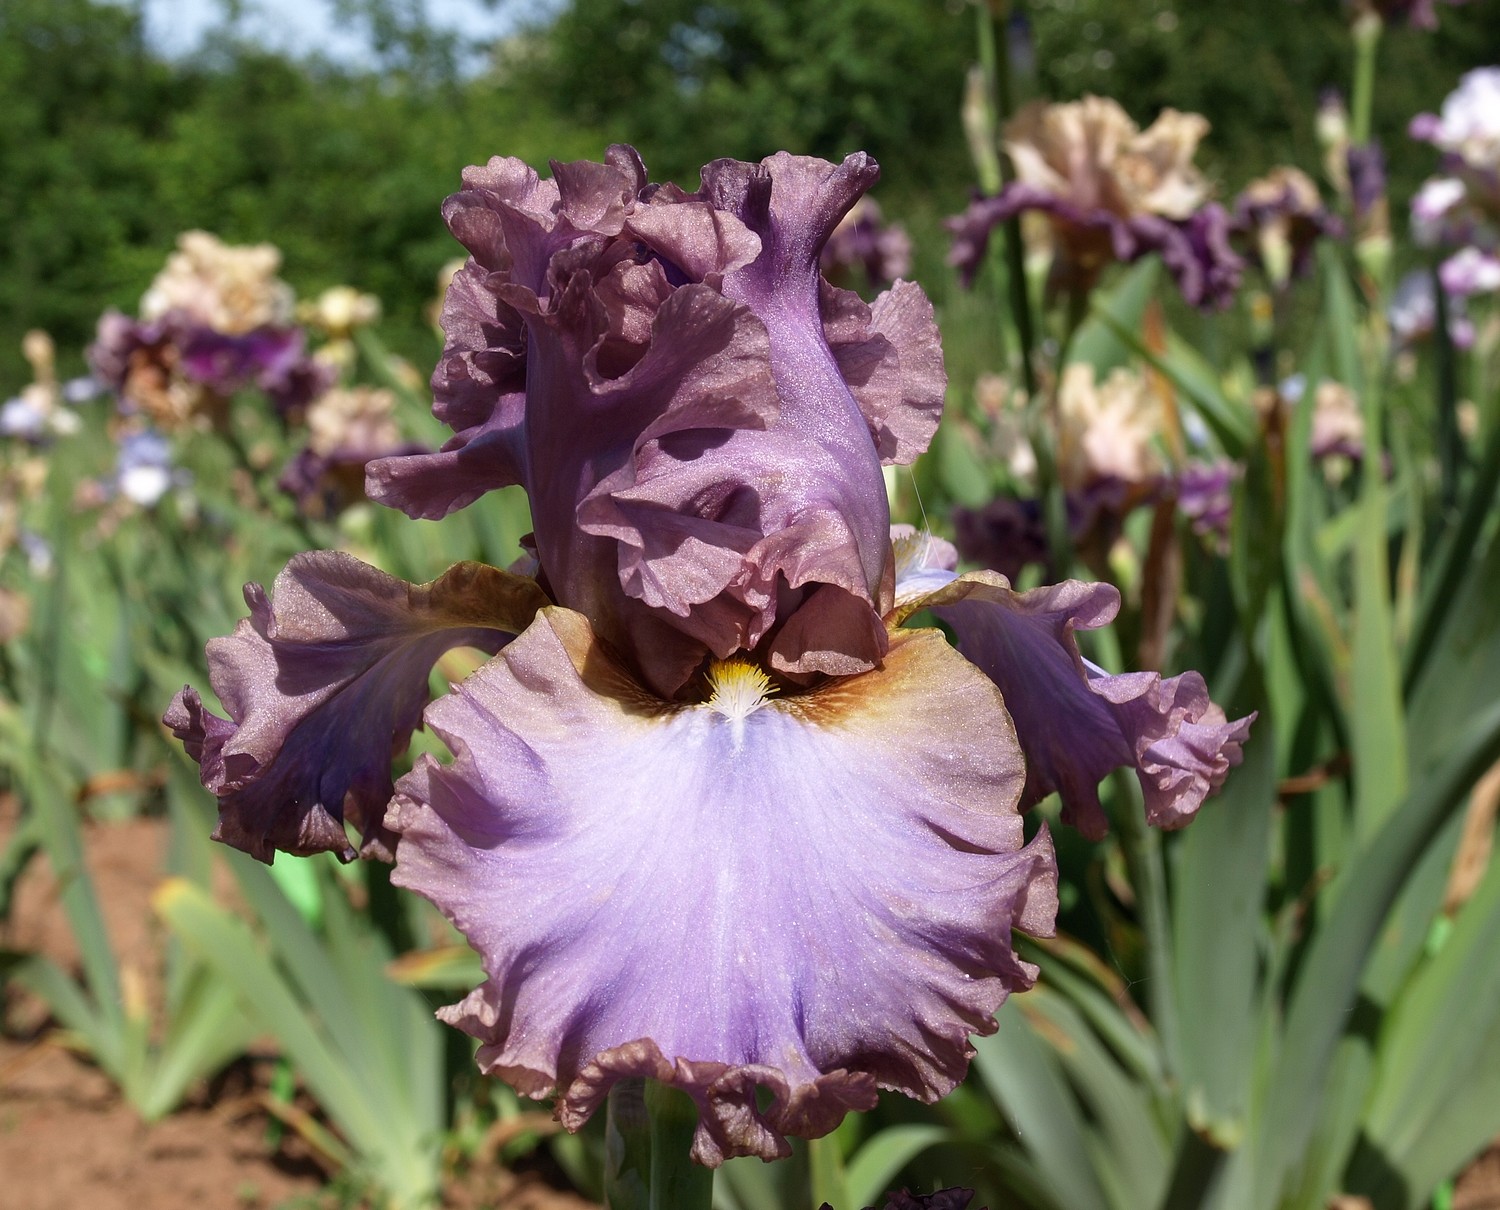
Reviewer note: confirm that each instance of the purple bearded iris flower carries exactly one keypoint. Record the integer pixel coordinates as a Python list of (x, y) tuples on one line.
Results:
[(1279, 219), (713, 817), (1111, 192)]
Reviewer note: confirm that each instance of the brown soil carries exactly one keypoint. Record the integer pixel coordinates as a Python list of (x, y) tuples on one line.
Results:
[(1479, 1187), (67, 1139)]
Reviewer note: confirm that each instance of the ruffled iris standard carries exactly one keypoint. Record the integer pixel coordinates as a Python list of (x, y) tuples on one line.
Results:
[(714, 816)]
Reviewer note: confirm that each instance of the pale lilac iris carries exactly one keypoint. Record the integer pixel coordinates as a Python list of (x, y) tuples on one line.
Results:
[(714, 817)]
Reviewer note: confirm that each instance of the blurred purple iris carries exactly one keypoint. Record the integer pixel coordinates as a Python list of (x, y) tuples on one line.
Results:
[(1420, 14), (1278, 220), (714, 817), (176, 367), (1111, 193)]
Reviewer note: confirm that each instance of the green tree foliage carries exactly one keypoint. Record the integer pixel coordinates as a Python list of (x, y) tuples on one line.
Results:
[(689, 81), (84, 105), (108, 153), (1256, 70)]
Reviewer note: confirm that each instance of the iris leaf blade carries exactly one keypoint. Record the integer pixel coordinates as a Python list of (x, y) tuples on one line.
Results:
[(882, 1156), (1328, 980), (1027, 1083)]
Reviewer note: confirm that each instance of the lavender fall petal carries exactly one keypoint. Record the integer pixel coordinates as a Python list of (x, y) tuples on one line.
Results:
[(812, 894)]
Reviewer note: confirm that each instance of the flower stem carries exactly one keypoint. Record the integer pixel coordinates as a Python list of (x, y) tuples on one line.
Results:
[(627, 1148), (829, 1183), (1450, 446), (995, 62), (677, 1183), (1367, 30), (1143, 859)]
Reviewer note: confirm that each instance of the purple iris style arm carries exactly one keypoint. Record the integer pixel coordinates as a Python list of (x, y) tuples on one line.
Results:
[(810, 894), (698, 419), (322, 682), (1075, 722)]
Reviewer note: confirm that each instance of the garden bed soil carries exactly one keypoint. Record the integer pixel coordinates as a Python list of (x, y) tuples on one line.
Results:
[(67, 1139)]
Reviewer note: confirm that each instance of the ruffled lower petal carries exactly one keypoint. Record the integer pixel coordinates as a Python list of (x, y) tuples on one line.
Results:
[(324, 680), (810, 895), (1195, 249), (1075, 722)]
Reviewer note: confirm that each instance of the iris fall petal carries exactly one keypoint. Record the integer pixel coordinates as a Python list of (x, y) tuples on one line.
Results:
[(812, 894), (1076, 722), (322, 682)]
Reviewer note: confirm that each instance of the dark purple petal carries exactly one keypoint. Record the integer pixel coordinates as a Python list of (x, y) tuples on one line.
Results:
[(863, 239), (1007, 534), (226, 363), (1367, 178), (1419, 14), (1282, 208), (971, 230), (807, 895), (324, 485), (293, 385), (943, 1199), (1076, 722), (322, 683), (118, 341), (1195, 250), (1205, 495)]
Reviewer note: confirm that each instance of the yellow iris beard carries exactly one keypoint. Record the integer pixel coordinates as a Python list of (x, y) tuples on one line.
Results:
[(739, 688)]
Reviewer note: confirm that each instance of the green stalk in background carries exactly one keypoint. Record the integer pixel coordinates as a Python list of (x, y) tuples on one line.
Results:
[(627, 1148), (677, 1183), (1367, 30), (1000, 104)]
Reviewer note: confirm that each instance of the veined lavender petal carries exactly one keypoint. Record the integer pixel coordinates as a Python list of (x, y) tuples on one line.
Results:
[(1076, 722), (811, 895), (324, 680)]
